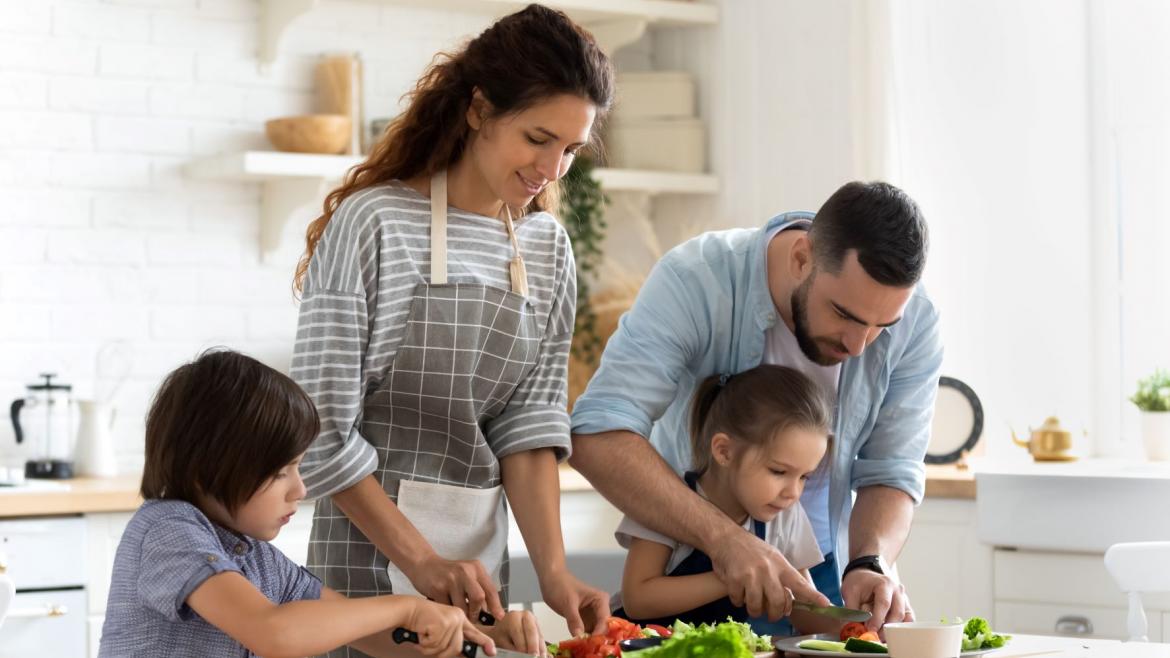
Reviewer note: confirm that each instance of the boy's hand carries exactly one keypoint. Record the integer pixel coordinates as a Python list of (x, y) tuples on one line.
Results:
[(518, 631), (442, 628)]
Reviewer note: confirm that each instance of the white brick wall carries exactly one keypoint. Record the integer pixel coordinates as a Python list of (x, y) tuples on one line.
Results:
[(102, 237)]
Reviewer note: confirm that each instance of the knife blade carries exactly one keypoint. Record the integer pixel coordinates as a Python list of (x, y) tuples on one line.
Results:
[(470, 649), (834, 611)]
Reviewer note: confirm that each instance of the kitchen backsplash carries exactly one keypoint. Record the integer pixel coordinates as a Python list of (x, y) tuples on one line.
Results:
[(102, 237)]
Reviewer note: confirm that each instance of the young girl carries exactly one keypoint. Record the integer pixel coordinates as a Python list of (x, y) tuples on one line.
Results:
[(756, 438), (438, 296), (194, 574)]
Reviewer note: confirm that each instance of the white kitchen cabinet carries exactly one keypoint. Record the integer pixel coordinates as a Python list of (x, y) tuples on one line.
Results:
[(1065, 593), (945, 569), (43, 624)]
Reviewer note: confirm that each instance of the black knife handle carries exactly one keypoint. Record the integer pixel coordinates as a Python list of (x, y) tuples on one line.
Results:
[(401, 635), (486, 618)]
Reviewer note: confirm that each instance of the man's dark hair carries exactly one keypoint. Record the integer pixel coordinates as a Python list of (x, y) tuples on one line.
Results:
[(882, 223), (222, 426)]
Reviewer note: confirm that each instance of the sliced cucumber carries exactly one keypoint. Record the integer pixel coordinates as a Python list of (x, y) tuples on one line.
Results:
[(822, 645), (854, 645)]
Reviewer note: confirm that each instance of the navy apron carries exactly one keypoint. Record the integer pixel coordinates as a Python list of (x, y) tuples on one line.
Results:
[(698, 563)]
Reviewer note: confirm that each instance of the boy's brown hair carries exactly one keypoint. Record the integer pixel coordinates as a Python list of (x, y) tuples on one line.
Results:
[(222, 426)]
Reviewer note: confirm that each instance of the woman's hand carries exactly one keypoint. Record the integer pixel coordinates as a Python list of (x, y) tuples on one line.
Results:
[(464, 584), (517, 630), (442, 628), (578, 603)]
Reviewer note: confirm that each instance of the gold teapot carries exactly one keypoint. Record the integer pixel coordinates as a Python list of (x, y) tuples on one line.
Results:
[(1048, 443)]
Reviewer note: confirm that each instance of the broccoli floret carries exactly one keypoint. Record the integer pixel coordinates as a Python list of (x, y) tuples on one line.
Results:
[(976, 626)]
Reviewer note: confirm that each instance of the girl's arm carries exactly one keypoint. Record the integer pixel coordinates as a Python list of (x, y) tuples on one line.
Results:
[(647, 593), (233, 605), (532, 484)]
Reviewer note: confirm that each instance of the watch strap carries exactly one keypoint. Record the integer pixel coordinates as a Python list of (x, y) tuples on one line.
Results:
[(870, 562)]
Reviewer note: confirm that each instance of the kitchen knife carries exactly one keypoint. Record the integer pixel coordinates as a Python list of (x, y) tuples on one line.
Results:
[(470, 649), (836, 612)]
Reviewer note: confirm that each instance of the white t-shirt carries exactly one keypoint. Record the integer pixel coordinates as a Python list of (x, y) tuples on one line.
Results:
[(781, 349), (790, 532)]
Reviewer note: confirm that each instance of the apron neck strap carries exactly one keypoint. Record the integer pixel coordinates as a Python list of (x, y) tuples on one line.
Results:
[(516, 269), (439, 228)]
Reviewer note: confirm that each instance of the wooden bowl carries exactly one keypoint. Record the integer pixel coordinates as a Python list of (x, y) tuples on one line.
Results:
[(310, 133)]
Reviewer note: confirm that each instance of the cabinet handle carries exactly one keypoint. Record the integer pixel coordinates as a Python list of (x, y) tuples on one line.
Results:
[(1074, 625), (53, 610)]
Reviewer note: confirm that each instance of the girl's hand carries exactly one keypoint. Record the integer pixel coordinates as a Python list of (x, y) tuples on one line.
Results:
[(442, 628), (518, 631)]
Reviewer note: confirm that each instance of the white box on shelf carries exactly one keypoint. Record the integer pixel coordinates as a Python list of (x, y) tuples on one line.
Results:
[(658, 145), (654, 94)]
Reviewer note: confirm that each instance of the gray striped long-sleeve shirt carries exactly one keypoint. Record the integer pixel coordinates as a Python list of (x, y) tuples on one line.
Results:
[(357, 297)]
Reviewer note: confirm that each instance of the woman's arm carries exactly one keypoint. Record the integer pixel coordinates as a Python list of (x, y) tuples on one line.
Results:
[(464, 584), (232, 604), (646, 592), (532, 484)]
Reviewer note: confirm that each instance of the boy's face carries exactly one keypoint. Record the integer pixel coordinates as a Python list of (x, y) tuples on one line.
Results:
[(265, 513)]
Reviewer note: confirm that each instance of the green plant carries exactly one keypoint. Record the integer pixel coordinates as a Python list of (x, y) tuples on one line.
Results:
[(1153, 392), (583, 214)]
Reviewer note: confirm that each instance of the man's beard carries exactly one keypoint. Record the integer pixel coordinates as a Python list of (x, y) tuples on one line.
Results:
[(808, 345)]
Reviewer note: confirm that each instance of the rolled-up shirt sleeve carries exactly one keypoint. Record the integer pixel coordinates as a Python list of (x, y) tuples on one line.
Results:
[(329, 355), (536, 415), (645, 358), (893, 454), (179, 553)]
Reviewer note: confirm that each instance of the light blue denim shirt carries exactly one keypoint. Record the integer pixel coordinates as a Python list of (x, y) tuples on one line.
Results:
[(704, 310)]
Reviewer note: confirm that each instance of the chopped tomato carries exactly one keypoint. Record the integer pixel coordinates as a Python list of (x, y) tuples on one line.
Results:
[(661, 630), (852, 629), (602, 645)]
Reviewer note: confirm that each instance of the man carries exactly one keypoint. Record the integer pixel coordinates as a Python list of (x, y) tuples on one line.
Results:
[(834, 296)]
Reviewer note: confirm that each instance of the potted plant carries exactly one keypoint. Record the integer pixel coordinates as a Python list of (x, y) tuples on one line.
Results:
[(1153, 399), (583, 215)]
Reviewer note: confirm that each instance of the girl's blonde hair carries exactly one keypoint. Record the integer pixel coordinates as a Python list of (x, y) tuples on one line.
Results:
[(753, 406)]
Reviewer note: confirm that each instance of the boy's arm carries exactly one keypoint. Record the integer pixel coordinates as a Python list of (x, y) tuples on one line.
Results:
[(647, 593), (232, 604), (378, 645)]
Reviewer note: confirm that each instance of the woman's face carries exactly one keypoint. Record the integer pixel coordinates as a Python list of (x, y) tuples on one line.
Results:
[(519, 154)]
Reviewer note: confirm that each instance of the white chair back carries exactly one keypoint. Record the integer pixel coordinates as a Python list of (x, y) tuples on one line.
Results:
[(1139, 567)]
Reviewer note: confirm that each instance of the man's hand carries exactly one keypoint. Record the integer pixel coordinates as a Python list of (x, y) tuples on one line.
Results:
[(584, 608), (880, 594), (757, 575)]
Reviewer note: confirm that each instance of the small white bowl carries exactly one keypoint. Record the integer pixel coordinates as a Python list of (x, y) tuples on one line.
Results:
[(920, 639)]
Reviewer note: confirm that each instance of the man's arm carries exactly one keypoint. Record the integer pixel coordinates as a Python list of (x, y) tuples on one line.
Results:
[(626, 469), (889, 475), (879, 525)]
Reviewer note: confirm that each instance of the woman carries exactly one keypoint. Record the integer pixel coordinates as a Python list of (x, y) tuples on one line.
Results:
[(438, 299)]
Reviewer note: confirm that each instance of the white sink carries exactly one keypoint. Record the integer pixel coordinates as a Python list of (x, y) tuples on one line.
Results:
[(1083, 506)]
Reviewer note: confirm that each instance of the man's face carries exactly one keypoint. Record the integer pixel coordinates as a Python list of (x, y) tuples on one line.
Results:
[(836, 316)]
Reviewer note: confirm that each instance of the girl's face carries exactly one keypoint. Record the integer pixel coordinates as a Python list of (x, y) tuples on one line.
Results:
[(770, 477), (517, 155), (266, 512)]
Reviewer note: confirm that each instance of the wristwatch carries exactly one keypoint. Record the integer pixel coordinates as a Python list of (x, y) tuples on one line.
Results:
[(874, 563)]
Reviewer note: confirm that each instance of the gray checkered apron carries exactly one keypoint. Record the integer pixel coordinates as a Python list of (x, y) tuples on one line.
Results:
[(465, 350)]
